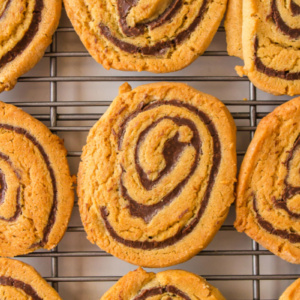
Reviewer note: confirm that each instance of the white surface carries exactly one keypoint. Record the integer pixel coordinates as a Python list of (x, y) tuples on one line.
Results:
[(100, 91)]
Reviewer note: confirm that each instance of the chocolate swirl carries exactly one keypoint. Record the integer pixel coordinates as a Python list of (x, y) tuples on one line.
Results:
[(172, 149), (28, 35), (295, 8), (293, 33), (18, 284), (289, 191), (261, 67), (168, 289), (159, 48), (52, 215)]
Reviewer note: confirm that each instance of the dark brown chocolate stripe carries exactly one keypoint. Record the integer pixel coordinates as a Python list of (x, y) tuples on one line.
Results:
[(284, 234), (289, 190), (287, 75), (293, 33), (28, 36), (4, 188), (5, 8), (160, 48), (168, 289), (171, 152), (295, 8), (125, 6), (148, 245), (18, 284), (53, 210)]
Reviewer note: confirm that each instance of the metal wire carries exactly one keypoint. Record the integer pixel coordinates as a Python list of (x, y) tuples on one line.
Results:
[(53, 117)]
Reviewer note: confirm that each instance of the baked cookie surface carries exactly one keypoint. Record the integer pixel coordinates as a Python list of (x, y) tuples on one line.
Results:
[(166, 285), (21, 281), (26, 28), (268, 190), (270, 42), (292, 292), (140, 35), (36, 196), (156, 178)]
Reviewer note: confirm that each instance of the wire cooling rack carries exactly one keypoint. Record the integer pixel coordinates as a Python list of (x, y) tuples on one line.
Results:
[(69, 92)]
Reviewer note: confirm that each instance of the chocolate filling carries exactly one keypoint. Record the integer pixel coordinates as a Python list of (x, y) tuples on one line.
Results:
[(18, 284), (5, 8), (295, 8), (289, 191), (287, 75), (125, 6), (158, 48), (293, 33), (28, 36), (4, 189), (3, 186), (44, 155), (285, 234), (171, 152), (168, 289), (144, 211)]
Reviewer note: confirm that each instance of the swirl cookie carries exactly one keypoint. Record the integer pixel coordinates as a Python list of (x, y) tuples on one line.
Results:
[(171, 284), (140, 35), (267, 36), (36, 196), (21, 281), (156, 178), (26, 28), (292, 292), (268, 190)]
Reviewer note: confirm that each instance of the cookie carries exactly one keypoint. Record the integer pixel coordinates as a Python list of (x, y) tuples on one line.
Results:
[(156, 178), (21, 281), (167, 285), (140, 35), (26, 28), (269, 42), (268, 190), (36, 196), (292, 292)]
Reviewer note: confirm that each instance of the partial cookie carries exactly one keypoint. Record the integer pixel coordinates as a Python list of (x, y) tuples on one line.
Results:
[(156, 178), (292, 292), (268, 191), (270, 39), (171, 284), (21, 281), (157, 36), (26, 28), (36, 196)]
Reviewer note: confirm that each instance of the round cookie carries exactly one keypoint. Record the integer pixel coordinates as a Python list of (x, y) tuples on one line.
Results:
[(26, 28), (266, 34), (268, 188), (171, 284), (156, 178), (36, 196), (140, 35), (292, 292), (21, 281)]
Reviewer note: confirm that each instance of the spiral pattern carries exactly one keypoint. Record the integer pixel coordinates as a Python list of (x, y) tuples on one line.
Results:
[(20, 281), (30, 186), (170, 34), (4, 188), (26, 27), (171, 284), (165, 167), (268, 205), (172, 150)]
